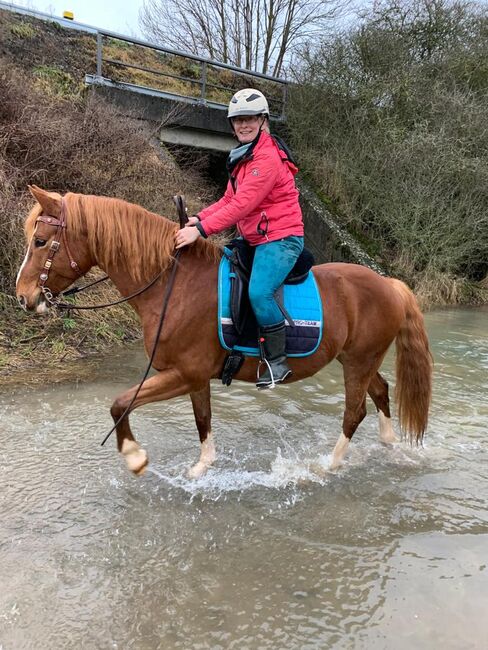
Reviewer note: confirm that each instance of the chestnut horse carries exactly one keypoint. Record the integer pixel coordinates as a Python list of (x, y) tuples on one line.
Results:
[(363, 313)]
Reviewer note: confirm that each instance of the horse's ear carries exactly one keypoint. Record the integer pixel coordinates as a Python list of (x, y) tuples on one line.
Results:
[(50, 201)]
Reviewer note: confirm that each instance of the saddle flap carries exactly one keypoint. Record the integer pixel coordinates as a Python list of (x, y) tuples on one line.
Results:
[(239, 299)]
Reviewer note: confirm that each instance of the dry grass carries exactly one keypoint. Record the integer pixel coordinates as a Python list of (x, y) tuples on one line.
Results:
[(63, 57)]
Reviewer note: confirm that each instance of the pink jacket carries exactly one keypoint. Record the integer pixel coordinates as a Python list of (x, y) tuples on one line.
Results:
[(264, 204)]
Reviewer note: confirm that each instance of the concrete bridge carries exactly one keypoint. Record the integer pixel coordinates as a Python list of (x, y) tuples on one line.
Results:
[(178, 120), (197, 119)]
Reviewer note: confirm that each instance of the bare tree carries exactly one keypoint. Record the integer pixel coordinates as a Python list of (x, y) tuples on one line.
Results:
[(259, 35)]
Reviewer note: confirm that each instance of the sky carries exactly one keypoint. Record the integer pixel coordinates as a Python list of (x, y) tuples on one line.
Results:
[(114, 15)]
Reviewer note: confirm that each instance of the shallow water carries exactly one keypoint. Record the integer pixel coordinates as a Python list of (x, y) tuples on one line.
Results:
[(389, 552)]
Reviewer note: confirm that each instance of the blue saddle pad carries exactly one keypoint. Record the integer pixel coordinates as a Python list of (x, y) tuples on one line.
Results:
[(302, 303)]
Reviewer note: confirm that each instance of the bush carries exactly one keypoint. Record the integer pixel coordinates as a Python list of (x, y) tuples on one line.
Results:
[(389, 120)]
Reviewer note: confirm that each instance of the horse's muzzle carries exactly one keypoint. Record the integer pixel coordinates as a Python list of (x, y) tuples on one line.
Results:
[(38, 304)]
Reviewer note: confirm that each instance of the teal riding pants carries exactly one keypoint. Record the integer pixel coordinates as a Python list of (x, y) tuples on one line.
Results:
[(272, 263)]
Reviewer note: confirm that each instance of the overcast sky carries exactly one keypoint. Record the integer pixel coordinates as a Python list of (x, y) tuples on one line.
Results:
[(114, 15)]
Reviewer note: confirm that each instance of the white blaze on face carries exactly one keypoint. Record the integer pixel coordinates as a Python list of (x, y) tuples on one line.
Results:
[(24, 262), (22, 267)]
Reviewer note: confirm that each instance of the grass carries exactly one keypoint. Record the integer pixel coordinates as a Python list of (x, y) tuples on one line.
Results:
[(23, 30), (63, 56), (57, 82)]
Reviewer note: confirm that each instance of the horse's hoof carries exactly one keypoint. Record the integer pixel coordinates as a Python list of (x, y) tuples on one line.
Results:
[(389, 444), (142, 470), (137, 461), (197, 471), (387, 435)]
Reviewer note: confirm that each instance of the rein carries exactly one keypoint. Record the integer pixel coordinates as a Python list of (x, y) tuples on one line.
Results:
[(69, 306), (183, 218)]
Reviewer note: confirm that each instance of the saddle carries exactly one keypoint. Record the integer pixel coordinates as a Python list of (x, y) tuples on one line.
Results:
[(241, 255)]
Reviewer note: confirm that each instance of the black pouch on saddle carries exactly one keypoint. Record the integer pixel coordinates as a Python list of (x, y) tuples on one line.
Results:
[(245, 324)]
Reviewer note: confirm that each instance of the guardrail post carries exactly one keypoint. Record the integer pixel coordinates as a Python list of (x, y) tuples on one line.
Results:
[(99, 54), (204, 82), (285, 96)]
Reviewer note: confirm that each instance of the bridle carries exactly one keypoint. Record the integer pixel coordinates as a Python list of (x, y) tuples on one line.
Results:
[(60, 234)]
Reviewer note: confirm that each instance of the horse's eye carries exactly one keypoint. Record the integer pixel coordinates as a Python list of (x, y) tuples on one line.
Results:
[(39, 243)]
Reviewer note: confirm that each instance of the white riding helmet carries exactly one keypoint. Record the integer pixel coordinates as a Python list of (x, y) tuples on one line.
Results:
[(248, 101)]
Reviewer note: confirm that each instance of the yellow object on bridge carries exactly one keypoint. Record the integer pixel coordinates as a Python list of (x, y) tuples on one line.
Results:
[(69, 15)]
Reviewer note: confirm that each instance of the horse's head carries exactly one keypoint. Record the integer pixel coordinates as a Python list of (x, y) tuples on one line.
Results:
[(49, 266)]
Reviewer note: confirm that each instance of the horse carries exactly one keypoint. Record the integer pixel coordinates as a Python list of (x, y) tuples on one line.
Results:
[(364, 313)]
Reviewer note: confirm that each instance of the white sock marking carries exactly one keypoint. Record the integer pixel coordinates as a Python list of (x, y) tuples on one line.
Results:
[(387, 435)]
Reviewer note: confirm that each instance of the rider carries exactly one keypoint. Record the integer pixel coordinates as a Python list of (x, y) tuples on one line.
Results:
[(262, 201)]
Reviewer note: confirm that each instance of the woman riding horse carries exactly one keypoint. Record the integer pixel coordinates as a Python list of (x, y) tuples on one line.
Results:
[(262, 201)]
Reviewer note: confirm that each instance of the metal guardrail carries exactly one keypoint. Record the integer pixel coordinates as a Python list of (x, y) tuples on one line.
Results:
[(202, 82)]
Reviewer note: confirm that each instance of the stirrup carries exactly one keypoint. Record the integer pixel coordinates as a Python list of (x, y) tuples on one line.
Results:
[(272, 382)]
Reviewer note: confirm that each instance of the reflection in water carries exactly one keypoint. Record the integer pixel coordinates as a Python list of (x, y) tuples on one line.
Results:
[(390, 552)]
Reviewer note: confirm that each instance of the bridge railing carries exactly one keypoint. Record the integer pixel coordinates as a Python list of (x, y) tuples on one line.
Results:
[(205, 81), (213, 81)]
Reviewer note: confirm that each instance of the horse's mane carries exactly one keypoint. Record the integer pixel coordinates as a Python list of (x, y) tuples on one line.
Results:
[(118, 231)]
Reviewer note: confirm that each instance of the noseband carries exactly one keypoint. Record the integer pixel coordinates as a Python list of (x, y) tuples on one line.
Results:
[(60, 234)]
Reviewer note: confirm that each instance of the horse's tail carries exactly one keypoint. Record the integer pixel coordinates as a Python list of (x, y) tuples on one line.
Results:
[(413, 368)]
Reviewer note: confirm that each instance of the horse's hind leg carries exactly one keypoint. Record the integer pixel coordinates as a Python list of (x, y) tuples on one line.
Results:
[(378, 391), (357, 378), (203, 415), (165, 385)]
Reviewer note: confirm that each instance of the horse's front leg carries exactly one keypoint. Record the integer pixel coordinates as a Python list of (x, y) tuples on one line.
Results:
[(165, 385), (203, 415)]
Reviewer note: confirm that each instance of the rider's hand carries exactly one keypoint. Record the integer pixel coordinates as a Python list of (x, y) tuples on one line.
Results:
[(192, 221), (186, 235)]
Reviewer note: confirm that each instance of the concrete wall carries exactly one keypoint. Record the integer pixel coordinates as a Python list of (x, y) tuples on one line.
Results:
[(325, 238), (155, 106)]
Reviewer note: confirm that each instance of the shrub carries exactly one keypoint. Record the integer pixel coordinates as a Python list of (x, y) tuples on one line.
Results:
[(389, 120)]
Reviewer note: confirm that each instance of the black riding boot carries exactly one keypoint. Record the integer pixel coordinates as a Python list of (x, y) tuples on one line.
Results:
[(272, 340)]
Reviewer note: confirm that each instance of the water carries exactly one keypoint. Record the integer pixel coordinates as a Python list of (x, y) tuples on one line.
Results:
[(389, 552)]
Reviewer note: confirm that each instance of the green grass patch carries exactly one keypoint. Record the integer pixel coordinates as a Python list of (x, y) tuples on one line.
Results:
[(56, 81), (23, 31), (69, 323)]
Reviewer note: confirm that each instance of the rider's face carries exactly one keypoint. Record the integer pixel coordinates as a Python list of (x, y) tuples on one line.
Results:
[(246, 127)]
